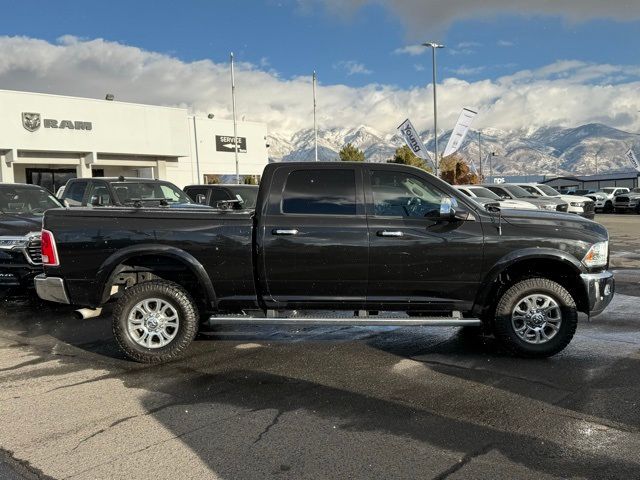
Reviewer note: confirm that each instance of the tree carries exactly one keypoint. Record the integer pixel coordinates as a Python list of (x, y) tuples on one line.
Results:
[(349, 153), (454, 170), (250, 180), (405, 156)]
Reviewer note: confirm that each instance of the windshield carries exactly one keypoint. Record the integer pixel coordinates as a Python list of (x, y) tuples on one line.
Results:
[(484, 193), (608, 190), (248, 194), (132, 191), (15, 199), (517, 191), (531, 190), (548, 190)]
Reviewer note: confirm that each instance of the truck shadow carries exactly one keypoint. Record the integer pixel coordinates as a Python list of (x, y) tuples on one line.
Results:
[(263, 399)]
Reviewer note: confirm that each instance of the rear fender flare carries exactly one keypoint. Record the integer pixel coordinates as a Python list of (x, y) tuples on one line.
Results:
[(107, 272)]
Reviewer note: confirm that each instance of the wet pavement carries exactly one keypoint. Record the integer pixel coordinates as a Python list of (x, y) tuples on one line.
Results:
[(333, 402)]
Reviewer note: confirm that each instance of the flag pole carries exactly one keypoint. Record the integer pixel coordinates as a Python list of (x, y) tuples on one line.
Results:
[(235, 123), (315, 125)]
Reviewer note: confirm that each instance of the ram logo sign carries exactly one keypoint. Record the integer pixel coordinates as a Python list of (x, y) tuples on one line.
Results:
[(31, 121)]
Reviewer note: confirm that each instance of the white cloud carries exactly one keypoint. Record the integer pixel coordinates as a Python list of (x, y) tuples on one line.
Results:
[(410, 50), (566, 93), (351, 67), (505, 43), (419, 15), (418, 67)]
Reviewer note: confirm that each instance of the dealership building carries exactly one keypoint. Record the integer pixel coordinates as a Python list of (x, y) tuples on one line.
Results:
[(47, 139)]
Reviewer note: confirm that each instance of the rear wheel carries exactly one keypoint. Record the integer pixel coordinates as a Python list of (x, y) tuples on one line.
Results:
[(155, 321), (536, 317)]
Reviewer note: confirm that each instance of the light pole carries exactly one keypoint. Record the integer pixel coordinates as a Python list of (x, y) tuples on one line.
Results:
[(480, 152), (433, 46), (235, 123), (315, 124)]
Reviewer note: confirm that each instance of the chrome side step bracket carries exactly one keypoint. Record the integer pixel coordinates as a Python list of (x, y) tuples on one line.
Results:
[(346, 321)]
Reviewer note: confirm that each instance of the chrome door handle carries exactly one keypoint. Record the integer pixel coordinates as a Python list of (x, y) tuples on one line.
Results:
[(279, 231), (390, 233)]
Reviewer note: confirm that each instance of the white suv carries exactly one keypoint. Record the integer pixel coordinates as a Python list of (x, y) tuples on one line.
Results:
[(583, 206), (604, 197)]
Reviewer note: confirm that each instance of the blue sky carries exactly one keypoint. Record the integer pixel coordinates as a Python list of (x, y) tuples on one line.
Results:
[(348, 46), (523, 64)]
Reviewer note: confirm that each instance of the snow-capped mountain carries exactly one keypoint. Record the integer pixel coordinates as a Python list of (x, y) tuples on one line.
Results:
[(545, 151)]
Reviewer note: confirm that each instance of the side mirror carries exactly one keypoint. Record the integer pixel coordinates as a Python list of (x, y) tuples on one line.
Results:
[(492, 207), (201, 198), (450, 210), (96, 201)]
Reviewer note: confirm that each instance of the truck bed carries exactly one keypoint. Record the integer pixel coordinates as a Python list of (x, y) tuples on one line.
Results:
[(92, 241)]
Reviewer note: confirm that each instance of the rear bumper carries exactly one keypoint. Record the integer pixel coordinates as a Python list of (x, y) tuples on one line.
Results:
[(18, 275), (51, 289), (600, 288)]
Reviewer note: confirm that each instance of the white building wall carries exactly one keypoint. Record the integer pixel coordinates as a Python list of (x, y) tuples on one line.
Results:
[(123, 139)]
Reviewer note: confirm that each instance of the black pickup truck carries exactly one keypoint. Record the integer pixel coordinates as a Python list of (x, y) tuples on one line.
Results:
[(381, 244)]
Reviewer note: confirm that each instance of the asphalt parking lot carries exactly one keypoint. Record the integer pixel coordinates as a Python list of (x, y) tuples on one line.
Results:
[(324, 402)]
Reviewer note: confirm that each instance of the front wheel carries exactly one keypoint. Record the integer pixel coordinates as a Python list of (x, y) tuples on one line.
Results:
[(155, 321), (536, 317), (608, 207)]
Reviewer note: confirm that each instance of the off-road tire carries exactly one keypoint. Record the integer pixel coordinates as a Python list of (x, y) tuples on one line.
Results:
[(505, 332), (187, 313)]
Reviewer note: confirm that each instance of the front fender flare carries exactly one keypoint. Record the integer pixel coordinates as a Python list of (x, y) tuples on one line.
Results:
[(106, 273), (517, 256)]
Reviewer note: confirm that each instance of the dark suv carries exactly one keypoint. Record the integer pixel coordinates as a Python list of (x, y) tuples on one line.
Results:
[(21, 210), (121, 191)]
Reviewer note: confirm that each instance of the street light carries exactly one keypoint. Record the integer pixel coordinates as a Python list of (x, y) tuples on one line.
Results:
[(433, 46)]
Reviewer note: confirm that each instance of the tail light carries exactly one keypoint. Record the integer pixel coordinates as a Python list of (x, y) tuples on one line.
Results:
[(49, 250)]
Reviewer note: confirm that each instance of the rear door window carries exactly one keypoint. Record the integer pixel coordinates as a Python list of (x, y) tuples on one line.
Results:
[(320, 192)]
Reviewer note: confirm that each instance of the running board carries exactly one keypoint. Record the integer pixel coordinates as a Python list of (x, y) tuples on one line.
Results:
[(347, 321)]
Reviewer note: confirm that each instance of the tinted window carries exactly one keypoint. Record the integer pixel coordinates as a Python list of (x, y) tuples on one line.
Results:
[(99, 193), (193, 192), (249, 195), (531, 190), (218, 194), (399, 194), (74, 194), (499, 192), (320, 192), (484, 193)]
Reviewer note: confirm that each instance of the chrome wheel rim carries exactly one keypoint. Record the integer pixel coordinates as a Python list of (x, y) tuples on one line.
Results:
[(153, 323), (536, 318)]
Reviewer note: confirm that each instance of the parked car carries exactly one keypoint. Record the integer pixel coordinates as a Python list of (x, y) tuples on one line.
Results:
[(486, 196), (121, 191), (513, 192), (224, 196), (21, 210), (343, 236), (583, 206), (627, 202), (604, 198), (582, 192)]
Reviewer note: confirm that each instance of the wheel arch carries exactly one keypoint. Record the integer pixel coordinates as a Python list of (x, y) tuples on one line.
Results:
[(109, 269), (556, 265)]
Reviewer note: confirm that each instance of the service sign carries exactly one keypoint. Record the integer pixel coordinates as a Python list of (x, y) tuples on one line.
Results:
[(225, 144)]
